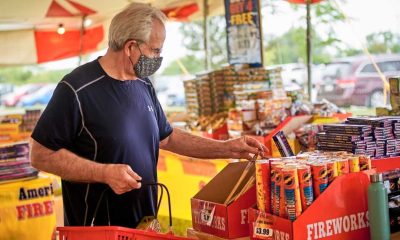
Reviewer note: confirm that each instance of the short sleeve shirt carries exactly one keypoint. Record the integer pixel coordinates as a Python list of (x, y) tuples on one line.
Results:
[(108, 121)]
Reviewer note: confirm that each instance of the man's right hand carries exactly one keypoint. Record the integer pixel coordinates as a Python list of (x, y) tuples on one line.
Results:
[(121, 178)]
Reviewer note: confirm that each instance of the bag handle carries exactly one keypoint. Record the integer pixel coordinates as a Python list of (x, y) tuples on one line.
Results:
[(162, 187)]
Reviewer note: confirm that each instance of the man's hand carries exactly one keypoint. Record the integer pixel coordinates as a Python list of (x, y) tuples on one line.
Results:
[(246, 147), (121, 178)]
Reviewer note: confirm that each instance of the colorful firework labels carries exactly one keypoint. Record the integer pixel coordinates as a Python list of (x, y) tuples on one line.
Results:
[(263, 189), (292, 192), (306, 186)]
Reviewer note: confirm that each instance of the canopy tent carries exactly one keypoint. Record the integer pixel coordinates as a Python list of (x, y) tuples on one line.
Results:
[(28, 31)]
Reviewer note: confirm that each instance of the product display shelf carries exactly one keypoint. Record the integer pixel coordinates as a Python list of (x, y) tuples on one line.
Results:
[(334, 215), (385, 164)]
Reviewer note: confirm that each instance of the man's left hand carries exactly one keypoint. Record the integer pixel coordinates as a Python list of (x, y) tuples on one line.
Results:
[(245, 148)]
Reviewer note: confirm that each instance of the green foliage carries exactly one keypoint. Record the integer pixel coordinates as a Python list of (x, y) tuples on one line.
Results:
[(192, 64), (24, 75), (291, 47), (383, 42), (351, 51), (194, 39), (15, 75)]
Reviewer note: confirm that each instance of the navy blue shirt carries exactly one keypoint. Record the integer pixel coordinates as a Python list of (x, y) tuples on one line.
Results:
[(108, 121)]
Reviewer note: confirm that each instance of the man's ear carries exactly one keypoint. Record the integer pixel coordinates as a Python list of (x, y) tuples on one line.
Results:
[(128, 47)]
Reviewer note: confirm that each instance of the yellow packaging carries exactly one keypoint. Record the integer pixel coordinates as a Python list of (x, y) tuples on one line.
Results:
[(27, 210), (354, 164)]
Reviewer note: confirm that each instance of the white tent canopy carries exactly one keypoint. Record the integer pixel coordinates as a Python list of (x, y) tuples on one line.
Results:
[(23, 22)]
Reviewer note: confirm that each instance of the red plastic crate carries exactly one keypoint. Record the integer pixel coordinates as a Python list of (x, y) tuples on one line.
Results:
[(110, 233)]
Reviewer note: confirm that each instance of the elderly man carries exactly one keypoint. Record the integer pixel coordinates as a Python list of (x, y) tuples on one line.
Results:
[(104, 126)]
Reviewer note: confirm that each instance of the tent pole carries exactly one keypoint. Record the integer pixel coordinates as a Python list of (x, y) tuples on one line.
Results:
[(309, 55), (81, 33), (206, 39)]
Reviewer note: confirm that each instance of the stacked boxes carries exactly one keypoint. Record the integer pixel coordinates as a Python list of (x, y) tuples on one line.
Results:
[(15, 162), (198, 97), (217, 88), (394, 83), (213, 92), (375, 137), (16, 127)]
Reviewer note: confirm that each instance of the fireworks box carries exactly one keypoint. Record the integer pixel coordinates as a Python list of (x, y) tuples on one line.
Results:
[(220, 207), (340, 212)]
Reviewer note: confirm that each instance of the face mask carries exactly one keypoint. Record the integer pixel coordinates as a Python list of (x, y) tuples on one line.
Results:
[(147, 66)]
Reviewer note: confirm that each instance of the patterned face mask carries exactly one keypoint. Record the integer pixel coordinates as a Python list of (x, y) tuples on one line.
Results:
[(146, 66)]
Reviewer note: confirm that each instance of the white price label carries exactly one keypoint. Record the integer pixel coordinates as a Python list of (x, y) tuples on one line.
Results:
[(262, 232)]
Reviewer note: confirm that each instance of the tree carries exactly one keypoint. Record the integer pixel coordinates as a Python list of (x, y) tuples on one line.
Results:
[(383, 42), (193, 41), (291, 47), (24, 75), (191, 63)]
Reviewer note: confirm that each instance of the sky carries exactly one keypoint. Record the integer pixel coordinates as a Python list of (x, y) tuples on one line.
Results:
[(367, 16)]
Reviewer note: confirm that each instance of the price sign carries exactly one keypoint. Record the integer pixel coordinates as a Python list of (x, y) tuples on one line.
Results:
[(262, 231), (243, 31)]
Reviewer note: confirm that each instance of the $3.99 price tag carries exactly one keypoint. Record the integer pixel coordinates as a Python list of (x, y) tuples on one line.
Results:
[(262, 231)]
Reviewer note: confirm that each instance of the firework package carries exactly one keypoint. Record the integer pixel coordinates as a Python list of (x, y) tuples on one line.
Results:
[(287, 189), (15, 162), (391, 180), (213, 92), (375, 137), (394, 83), (283, 145), (289, 185)]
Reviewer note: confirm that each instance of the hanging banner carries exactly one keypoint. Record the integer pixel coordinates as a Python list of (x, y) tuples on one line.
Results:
[(243, 31)]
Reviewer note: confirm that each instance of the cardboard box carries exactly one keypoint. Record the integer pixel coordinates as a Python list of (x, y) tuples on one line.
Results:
[(294, 144), (218, 134), (339, 213), (210, 212)]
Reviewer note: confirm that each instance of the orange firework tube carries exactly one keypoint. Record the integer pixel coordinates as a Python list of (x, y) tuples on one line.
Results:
[(279, 198), (343, 166), (354, 164), (365, 162), (320, 178), (263, 180), (331, 167), (291, 192), (303, 157), (306, 187), (273, 165)]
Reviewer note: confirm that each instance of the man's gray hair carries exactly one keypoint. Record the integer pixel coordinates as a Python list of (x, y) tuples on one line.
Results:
[(134, 22)]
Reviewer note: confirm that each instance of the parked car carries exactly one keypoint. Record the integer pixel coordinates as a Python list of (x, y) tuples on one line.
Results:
[(355, 81), (5, 88), (294, 74), (11, 99), (40, 97)]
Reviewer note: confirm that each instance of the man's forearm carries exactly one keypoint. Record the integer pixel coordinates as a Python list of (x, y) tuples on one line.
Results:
[(184, 143), (66, 164)]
